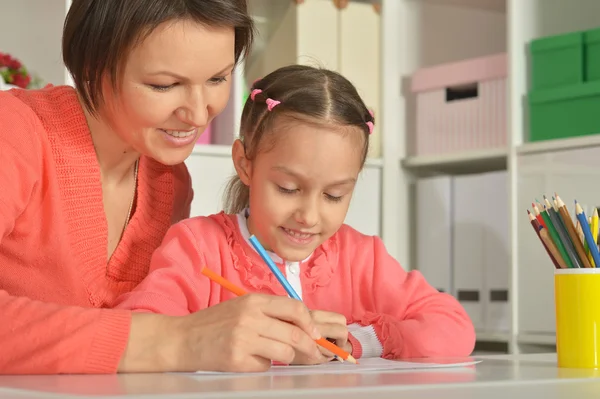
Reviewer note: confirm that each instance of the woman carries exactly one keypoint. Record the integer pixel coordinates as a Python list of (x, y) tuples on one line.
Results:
[(92, 178)]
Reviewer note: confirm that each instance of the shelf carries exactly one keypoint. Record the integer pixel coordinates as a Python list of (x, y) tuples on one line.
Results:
[(559, 144), (459, 163), (491, 5), (267, 16), (212, 150), (537, 339), (492, 337)]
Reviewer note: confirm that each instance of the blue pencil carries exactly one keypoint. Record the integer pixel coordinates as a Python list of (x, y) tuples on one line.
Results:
[(587, 233), (274, 269), (281, 278)]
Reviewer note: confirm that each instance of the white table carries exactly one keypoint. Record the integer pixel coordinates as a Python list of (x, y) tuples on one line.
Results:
[(496, 377)]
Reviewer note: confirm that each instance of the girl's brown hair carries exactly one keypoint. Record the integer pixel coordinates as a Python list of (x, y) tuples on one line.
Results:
[(99, 34), (306, 93)]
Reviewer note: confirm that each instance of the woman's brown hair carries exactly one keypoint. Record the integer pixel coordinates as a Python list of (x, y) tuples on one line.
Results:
[(304, 93), (99, 34)]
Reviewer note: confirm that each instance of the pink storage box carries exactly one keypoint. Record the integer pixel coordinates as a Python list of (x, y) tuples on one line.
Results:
[(461, 106), (205, 137)]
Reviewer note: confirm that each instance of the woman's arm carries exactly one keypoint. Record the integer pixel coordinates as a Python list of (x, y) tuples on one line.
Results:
[(40, 337)]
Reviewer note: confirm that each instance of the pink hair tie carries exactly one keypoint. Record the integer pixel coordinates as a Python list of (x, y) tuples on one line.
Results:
[(371, 126), (272, 103), (372, 114), (254, 93)]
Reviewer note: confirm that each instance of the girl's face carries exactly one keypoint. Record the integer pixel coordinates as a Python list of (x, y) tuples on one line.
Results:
[(300, 189), (173, 84)]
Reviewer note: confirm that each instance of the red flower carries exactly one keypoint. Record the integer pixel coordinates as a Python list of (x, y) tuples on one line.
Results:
[(10, 62), (21, 81), (13, 71), (14, 64), (4, 59)]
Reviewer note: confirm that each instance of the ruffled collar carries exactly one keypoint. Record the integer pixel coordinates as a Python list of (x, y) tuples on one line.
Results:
[(315, 271)]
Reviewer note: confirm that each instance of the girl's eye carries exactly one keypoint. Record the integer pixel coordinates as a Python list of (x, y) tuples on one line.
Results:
[(218, 80), (333, 198), (162, 88), (286, 190)]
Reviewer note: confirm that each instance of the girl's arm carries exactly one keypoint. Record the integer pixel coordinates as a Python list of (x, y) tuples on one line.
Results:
[(174, 285), (402, 316)]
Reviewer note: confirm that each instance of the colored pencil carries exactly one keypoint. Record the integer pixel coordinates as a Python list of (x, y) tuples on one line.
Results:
[(330, 346), (570, 227), (587, 233), (274, 269), (545, 237), (228, 285), (585, 244), (594, 229), (536, 227), (556, 239), (562, 234), (538, 216), (292, 293), (580, 232)]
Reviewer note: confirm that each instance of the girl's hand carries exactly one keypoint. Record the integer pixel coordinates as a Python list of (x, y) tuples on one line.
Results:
[(333, 327), (243, 334)]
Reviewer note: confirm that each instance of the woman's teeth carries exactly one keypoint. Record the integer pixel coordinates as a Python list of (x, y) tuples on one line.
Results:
[(179, 133)]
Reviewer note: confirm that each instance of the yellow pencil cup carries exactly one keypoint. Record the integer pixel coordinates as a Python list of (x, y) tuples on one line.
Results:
[(577, 301)]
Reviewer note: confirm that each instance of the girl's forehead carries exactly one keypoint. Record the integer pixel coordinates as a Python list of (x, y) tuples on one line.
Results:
[(316, 147)]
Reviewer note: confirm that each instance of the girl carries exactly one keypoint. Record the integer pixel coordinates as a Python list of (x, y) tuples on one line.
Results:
[(304, 140)]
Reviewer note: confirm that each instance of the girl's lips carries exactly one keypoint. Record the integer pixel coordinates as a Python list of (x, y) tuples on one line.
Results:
[(298, 237)]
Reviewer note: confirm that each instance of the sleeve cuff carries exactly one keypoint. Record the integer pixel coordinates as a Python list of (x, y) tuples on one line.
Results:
[(356, 346), (364, 341)]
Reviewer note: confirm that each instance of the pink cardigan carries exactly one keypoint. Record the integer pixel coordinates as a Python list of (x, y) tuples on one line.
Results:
[(56, 286), (351, 274)]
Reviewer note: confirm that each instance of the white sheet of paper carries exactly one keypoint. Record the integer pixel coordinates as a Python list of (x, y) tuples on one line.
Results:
[(365, 365)]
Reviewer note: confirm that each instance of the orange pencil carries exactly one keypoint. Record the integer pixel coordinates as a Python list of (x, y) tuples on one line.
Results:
[(228, 285)]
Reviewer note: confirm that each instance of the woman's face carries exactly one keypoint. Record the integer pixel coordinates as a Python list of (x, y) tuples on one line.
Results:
[(173, 84)]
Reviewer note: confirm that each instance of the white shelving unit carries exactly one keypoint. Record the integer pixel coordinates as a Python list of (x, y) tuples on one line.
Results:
[(418, 33)]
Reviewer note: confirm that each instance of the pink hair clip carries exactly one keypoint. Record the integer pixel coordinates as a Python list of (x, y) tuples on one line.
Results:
[(254, 93), (371, 126), (272, 103)]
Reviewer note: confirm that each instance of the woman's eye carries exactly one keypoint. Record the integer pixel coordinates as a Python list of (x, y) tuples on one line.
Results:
[(218, 80), (161, 88)]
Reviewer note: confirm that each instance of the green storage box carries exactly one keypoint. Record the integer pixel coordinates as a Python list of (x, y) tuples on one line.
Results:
[(591, 40), (557, 61), (564, 112)]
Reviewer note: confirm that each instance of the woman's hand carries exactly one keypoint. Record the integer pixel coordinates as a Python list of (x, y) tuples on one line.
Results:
[(331, 326), (243, 334)]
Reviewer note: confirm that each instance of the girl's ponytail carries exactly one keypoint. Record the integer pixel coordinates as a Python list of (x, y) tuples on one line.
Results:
[(236, 197)]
